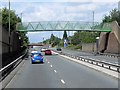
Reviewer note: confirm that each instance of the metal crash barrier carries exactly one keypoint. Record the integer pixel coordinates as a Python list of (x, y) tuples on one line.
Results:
[(7, 69), (107, 65)]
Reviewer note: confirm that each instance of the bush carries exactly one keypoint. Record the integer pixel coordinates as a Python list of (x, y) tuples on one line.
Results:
[(78, 47)]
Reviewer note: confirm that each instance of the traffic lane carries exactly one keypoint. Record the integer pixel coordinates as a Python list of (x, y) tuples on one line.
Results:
[(79, 76), (77, 52), (104, 58), (35, 76), (89, 55)]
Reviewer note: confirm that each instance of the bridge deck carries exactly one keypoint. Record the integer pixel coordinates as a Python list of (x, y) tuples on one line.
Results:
[(62, 25)]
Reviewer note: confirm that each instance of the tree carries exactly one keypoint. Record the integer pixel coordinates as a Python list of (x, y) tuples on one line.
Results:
[(83, 37), (53, 40), (14, 19), (1, 16), (65, 35), (75, 39), (24, 39), (114, 15)]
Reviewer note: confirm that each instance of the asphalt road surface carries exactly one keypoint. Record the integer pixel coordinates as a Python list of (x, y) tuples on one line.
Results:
[(92, 56), (58, 72)]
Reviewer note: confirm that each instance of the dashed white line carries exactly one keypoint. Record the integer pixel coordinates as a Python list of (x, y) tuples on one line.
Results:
[(55, 71), (62, 81), (51, 66)]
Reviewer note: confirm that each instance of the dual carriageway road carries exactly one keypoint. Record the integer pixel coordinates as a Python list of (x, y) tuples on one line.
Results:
[(59, 72)]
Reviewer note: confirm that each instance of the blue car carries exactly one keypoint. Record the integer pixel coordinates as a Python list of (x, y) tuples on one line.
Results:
[(36, 57)]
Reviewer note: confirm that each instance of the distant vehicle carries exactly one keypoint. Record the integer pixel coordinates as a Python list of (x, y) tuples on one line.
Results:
[(36, 58), (43, 49), (48, 52), (59, 49)]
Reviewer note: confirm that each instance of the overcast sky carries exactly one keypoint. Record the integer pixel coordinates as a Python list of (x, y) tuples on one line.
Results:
[(59, 10)]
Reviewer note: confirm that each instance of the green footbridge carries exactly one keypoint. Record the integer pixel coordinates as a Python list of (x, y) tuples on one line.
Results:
[(62, 25)]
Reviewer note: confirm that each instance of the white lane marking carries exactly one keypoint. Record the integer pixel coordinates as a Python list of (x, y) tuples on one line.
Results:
[(62, 81), (51, 66), (55, 71), (116, 62), (48, 62)]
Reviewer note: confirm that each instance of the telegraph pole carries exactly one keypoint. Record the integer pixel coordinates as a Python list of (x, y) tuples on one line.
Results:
[(9, 27)]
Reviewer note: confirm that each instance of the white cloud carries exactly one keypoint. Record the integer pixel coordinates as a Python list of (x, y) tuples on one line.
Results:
[(39, 14), (105, 1), (61, 12), (84, 7), (60, 0), (57, 12)]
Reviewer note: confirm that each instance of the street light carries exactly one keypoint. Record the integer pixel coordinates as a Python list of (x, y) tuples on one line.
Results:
[(9, 27), (97, 44), (20, 15), (93, 30), (43, 40)]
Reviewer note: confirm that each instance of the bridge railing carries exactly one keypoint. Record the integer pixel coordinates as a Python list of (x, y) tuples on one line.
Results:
[(61, 25)]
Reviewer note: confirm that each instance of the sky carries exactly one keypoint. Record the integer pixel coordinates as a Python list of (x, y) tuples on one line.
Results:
[(59, 10)]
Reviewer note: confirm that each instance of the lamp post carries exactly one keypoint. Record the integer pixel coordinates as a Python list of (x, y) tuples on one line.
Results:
[(119, 6), (9, 27), (43, 40), (93, 30), (97, 44)]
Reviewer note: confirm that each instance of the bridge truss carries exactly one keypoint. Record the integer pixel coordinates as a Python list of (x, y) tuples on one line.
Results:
[(62, 25)]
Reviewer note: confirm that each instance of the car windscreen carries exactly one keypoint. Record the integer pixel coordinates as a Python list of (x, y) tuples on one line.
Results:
[(35, 55), (47, 50)]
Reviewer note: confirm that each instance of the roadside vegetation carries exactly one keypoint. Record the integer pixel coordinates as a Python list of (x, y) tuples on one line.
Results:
[(14, 19), (114, 15)]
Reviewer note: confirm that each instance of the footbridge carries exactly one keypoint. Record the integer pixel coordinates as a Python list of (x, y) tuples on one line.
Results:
[(62, 25)]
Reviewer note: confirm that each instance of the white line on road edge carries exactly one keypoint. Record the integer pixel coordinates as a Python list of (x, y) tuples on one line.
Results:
[(12, 74), (55, 71), (51, 66), (62, 81), (101, 69)]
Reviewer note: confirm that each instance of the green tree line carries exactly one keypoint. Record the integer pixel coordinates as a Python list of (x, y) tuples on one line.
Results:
[(14, 19), (114, 15)]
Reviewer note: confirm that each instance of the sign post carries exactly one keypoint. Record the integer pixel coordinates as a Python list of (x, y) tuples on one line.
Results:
[(65, 43)]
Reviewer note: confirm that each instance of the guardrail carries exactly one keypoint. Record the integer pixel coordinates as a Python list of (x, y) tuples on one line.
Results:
[(7, 69), (110, 55), (107, 65)]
